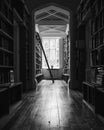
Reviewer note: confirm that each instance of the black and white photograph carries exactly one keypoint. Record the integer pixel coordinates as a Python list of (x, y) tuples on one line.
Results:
[(51, 64)]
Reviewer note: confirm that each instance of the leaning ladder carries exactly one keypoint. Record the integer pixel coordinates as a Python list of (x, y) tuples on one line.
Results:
[(38, 38)]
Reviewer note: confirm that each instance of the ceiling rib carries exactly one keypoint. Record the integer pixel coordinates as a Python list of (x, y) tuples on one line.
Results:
[(58, 9), (60, 17), (52, 20), (44, 14)]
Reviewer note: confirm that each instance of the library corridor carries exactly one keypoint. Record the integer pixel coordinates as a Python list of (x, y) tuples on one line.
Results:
[(51, 64)]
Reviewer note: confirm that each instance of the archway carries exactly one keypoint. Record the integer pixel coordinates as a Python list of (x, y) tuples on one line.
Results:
[(53, 22)]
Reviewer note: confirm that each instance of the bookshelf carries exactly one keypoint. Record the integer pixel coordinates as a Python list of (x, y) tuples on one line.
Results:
[(66, 53), (6, 41), (38, 60), (14, 52), (22, 17), (94, 83), (97, 36), (66, 56)]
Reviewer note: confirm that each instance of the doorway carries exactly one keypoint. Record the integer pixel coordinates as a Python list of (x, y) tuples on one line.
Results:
[(52, 24)]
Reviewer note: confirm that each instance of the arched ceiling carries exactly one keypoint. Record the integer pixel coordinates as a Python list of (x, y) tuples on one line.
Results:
[(52, 13), (52, 21)]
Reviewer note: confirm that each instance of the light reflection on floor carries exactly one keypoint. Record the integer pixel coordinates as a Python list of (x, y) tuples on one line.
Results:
[(53, 105)]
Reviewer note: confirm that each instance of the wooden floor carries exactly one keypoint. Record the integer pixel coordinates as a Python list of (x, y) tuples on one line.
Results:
[(52, 107)]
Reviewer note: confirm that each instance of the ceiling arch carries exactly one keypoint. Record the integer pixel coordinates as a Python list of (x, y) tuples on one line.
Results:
[(52, 20), (52, 12)]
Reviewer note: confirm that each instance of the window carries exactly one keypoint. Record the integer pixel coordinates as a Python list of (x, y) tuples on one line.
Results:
[(51, 48)]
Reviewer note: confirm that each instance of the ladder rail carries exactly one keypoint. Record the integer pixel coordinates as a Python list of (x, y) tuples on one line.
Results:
[(38, 38)]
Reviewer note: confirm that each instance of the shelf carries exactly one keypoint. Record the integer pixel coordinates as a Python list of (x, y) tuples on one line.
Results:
[(96, 66), (86, 4), (101, 11), (94, 39), (38, 64), (17, 16), (96, 48), (4, 66), (66, 54), (7, 51), (37, 75), (86, 13), (39, 54), (38, 60), (5, 34), (101, 89), (4, 18), (6, 41), (26, 10), (100, 29), (8, 4)]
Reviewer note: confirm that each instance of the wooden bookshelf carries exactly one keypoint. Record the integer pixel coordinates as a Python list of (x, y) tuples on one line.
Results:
[(22, 17), (6, 40), (38, 60), (66, 55), (6, 53), (97, 34), (14, 51), (94, 83)]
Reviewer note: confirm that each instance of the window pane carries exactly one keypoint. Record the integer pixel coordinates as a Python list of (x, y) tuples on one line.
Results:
[(52, 44), (51, 47), (46, 43), (57, 43), (52, 55)]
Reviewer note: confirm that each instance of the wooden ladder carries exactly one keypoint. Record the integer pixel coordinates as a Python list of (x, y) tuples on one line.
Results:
[(39, 40)]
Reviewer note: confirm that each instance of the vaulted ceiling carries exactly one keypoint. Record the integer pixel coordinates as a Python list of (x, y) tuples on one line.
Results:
[(52, 21)]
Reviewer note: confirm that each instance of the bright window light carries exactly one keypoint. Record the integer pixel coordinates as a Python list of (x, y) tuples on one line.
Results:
[(51, 48)]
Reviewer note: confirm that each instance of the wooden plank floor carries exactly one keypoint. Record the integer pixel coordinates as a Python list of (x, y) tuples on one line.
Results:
[(52, 107)]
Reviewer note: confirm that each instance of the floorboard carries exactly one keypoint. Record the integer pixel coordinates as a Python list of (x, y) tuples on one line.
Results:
[(51, 107)]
